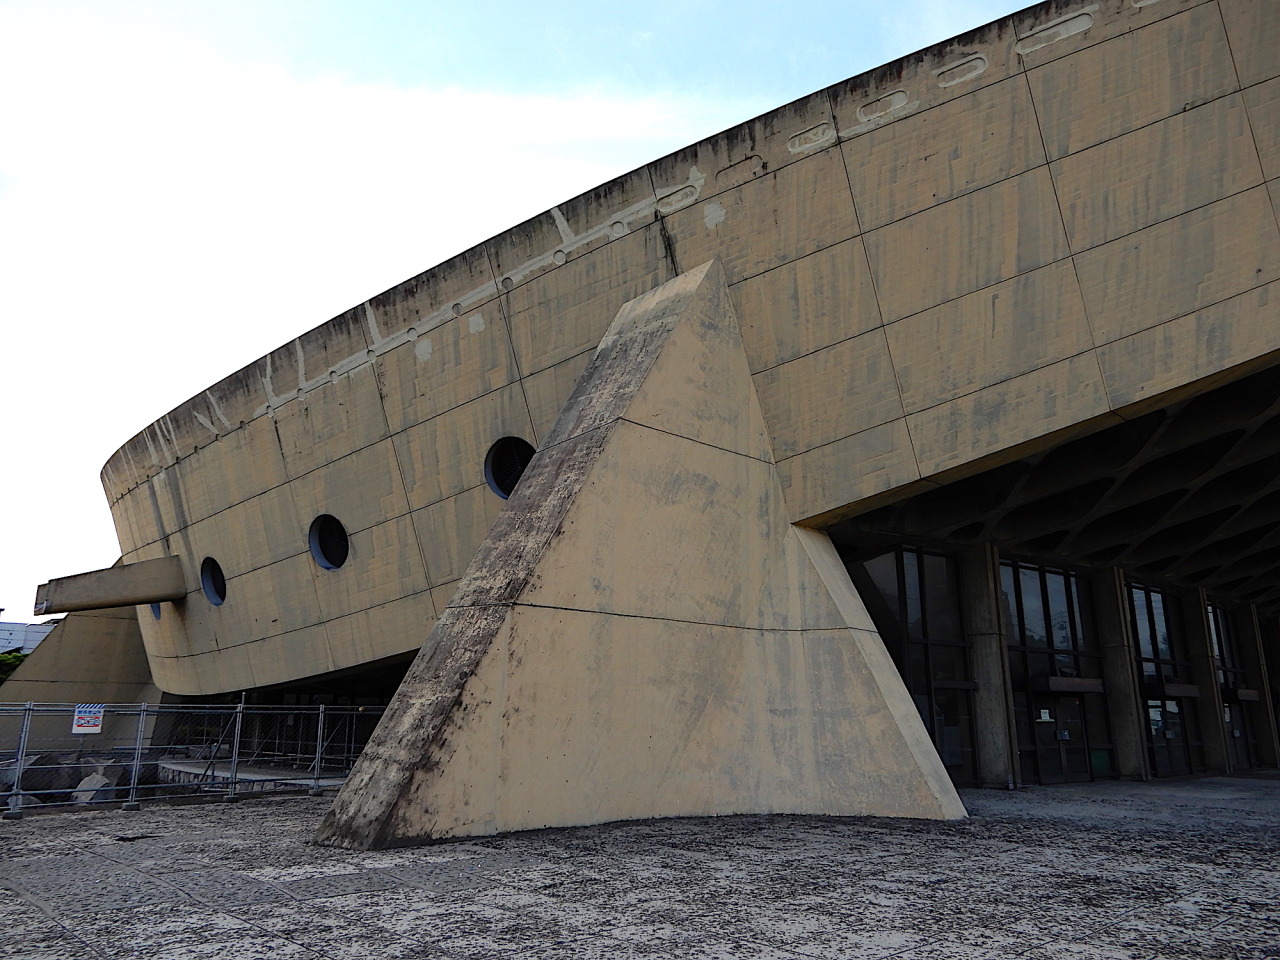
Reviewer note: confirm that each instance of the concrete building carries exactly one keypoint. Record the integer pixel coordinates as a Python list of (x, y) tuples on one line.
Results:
[(965, 366)]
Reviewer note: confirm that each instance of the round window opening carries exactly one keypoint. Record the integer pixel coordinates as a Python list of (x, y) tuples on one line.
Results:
[(504, 464), (329, 544), (212, 581)]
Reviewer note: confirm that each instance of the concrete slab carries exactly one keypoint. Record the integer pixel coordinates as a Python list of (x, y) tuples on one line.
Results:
[(1101, 871)]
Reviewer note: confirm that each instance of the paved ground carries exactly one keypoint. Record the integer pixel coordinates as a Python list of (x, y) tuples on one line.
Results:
[(1094, 872)]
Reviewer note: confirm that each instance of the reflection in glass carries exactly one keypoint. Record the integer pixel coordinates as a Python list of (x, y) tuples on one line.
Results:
[(883, 571), (942, 605), (1142, 620), (1033, 620), (919, 616), (1059, 612), (1163, 649), (911, 589)]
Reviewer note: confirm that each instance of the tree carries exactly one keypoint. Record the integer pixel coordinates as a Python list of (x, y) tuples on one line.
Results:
[(9, 662)]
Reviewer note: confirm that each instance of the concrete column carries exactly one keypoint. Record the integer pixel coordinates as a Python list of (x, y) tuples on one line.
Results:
[(1125, 706), (1204, 674), (985, 630), (1262, 713)]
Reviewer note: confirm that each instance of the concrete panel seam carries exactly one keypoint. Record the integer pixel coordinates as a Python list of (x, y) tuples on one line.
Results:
[(214, 651), (791, 263), (694, 440), (1183, 316), (1069, 256), (1253, 136), (875, 294), (1159, 12), (961, 396), (718, 625), (386, 343), (1035, 112), (503, 308), (404, 490), (968, 194)]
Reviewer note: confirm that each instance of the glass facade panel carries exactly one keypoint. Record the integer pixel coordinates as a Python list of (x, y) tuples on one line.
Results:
[(1173, 736), (917, 610), (918, 667), (1061, 718), (1161, 650), (1062, 735), (942, 603), (948, 662), (1101, 754), (1034, 631), (1085, 640), (1164, 648), (914, 617), (954, 733), (1065, 665), (883, 571), (1059, 613), (1142, 622), (1241, 747), (1039, 665), (1065, 692)]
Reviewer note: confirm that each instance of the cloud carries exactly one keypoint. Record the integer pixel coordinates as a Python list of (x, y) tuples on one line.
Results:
[(170, 213)]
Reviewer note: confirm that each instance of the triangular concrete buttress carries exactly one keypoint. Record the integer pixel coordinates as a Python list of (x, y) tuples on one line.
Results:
[(644, 633)]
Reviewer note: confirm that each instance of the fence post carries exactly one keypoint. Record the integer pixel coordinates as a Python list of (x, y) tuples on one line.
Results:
[(235, 754), (13, 809), (132, 803), (315, 783)]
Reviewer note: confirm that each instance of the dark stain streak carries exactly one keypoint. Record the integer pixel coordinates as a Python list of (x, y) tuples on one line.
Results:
[(668, 246)]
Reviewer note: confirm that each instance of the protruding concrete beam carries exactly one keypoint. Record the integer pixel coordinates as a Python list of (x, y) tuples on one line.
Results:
[(123, 585)]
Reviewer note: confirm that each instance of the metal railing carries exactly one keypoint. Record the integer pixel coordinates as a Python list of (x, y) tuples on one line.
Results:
[(58, 754)]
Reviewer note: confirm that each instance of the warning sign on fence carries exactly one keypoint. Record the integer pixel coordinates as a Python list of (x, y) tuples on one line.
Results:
[(88, 718)]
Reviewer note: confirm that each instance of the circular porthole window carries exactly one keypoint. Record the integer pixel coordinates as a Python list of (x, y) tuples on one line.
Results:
[(212, 581), (504, 464), (328, 541)]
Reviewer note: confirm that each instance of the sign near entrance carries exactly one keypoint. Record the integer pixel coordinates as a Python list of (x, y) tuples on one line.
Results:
[(88, 718)]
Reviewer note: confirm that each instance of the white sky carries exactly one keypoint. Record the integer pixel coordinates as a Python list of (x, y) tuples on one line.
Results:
[(186, 185)]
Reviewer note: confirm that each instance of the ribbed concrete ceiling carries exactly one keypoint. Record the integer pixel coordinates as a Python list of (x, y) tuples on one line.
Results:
[(1189, 494)]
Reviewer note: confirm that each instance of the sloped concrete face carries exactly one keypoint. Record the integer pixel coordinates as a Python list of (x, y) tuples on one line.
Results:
[(644, 633), (91, 657)]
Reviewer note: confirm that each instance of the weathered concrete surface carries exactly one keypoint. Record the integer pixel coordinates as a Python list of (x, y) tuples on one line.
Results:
[(644, 633), (1031, 230), (124, 585), (1103, 871), (91, 657)]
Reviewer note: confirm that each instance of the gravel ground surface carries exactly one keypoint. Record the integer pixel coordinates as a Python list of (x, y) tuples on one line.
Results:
[(1089, 872)]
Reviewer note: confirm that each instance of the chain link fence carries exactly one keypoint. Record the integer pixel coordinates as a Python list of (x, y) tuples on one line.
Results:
[(57, 754)]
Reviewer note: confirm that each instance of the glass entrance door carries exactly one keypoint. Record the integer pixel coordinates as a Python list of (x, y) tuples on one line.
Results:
[(1237, 730), (1061, 753), (1055, 669), (1171, 728)]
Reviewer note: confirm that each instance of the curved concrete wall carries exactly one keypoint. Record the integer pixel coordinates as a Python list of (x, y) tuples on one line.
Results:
[(1034, 229)]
